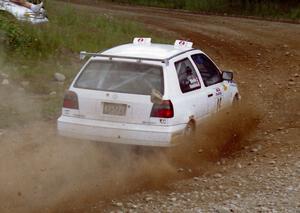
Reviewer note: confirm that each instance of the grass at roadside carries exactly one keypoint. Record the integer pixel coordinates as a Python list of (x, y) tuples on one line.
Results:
[(33, 53), (70, 30)]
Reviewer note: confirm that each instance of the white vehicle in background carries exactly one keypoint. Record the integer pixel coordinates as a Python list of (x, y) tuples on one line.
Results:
[(144, 94), (22, 13)]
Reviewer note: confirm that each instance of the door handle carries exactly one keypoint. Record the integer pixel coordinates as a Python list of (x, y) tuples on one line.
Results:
[(210, 95)]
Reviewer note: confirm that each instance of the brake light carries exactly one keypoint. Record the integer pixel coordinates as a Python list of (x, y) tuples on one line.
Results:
[(163, 110), (71, 100)]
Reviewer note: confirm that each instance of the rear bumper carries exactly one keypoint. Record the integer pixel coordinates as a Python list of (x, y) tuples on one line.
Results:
[(123, 133)]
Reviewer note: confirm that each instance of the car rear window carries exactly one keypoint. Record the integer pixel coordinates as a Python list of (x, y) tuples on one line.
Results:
[(122, 77)]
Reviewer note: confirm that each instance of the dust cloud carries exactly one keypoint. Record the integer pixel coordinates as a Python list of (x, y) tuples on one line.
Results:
[(40, 171)]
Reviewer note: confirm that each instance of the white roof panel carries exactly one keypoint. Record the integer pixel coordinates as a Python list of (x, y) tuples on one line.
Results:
[(153, 51)]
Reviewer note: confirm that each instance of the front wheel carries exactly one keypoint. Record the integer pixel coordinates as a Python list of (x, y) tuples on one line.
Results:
[(236, 101)]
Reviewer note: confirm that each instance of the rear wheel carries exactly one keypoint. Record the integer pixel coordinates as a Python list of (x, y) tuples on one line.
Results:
[(189, 139), (189, 131)]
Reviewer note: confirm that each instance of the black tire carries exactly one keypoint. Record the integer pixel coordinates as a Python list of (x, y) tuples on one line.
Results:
[(190, 130), (236, 101)]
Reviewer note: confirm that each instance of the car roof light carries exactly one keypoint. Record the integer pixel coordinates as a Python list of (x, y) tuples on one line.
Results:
[(183, 44), (142, 41)]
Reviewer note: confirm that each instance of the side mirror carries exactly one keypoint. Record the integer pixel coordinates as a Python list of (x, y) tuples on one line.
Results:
[(156, 97), (227, 75)]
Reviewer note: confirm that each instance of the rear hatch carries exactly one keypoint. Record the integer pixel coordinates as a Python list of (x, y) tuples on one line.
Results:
[(117, 91)]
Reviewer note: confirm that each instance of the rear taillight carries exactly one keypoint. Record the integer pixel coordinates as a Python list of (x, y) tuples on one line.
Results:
[(163, 110), (70, 100)]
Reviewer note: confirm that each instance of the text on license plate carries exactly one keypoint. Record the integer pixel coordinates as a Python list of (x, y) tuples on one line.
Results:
[(114, 109)]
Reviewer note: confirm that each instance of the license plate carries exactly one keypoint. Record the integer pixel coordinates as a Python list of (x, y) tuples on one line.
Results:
[(114, 109)]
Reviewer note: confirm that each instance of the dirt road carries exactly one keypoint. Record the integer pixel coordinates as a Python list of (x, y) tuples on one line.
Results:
[(247, 161)]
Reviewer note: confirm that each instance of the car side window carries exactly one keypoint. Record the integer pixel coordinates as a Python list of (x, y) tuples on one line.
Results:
[(208, 71), (187, 76)]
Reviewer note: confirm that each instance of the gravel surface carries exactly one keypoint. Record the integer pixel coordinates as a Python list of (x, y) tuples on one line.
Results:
[(247, 181), (248, 162)]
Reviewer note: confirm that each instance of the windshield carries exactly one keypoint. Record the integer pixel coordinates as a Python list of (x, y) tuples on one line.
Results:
[(123, 77)]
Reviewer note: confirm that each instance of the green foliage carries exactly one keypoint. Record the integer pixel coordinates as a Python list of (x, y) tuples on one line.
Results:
[(14, 36), (207, 5), (295, 13), (267, 8)]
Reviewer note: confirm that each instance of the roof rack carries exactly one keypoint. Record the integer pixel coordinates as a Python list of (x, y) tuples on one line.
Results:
[(83, 55)]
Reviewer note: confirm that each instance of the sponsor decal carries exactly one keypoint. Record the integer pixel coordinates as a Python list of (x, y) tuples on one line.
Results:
[(218, 91), (193, 82)]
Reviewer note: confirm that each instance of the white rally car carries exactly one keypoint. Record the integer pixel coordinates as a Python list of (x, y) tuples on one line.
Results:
[(144, 94), (22, 13)]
